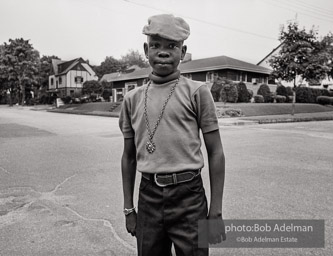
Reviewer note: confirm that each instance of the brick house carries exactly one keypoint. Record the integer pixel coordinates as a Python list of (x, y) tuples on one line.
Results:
[(200, 70)]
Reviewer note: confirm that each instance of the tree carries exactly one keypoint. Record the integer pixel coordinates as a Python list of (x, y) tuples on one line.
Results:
[(133, 58), (45, 70), (92, 86), (109, 65), (19, 66), (301, 54)]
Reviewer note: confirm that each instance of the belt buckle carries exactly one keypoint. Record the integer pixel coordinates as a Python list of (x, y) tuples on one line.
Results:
[(157, 183)]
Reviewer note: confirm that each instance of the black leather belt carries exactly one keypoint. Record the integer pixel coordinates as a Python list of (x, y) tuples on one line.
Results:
[(163, 180)]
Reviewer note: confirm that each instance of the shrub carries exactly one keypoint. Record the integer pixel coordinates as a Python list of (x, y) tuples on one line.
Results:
[(93, 97), (224, 90), (106, 95), (289, 91), (265, 92), (67, 99), (280, 98), (243, 94), (229, 93), (325, 100), (273, 95), (324, 92), (282, 91), (259, 99), (309, 95), (304, 95), (215, 90)]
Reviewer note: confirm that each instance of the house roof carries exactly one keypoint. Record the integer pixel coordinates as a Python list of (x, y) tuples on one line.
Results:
[(220, 62), (200, 65), (55, 63), (62, 67)]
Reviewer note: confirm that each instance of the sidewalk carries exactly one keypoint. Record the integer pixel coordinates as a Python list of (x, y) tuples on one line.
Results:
[(271, 119)]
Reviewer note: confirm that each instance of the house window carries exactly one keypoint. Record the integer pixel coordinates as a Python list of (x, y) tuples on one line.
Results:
[(130, 86), (51, 81), (232, 75), (210, 76), (189, 76), (78, 79), (60, 80)]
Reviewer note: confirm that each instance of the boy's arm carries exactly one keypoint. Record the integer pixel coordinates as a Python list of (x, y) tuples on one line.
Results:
[(216, 162), (128, 169)]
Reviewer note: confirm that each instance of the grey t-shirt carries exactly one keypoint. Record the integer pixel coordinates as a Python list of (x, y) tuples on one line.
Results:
[(177, 137)]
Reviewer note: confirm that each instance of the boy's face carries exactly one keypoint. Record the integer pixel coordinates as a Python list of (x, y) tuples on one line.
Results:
[(164, 55)]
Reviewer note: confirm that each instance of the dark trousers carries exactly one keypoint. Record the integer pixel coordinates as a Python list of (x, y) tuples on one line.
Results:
[(170, 215)]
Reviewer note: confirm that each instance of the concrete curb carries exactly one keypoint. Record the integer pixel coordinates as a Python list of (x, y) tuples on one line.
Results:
[(295, 119), (76, 112)]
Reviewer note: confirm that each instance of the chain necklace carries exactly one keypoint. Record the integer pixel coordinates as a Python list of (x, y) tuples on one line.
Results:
[(150, 145)]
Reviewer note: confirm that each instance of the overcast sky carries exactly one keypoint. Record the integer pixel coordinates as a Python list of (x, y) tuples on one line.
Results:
[(93, 29)]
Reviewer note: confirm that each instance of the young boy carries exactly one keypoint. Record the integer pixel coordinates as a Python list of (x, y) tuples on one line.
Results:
[(160, 122)]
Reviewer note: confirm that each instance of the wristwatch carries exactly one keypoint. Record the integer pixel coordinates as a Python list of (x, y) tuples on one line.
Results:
[(128, 211)]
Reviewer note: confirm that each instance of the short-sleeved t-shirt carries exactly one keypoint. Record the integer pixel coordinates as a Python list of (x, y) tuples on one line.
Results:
[(177, 138)]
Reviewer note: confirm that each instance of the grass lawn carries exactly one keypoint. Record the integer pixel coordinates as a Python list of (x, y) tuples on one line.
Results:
[(248, 109)]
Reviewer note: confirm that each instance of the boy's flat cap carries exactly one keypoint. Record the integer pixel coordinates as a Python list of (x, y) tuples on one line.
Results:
[(167, 26)]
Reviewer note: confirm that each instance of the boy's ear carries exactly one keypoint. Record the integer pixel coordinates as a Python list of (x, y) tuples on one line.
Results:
[(184, 49), (145, 48)]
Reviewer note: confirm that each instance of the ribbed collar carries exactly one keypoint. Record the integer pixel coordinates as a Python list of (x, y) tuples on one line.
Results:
[(164, 79)]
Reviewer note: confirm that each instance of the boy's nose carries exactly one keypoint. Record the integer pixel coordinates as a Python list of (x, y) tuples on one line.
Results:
[(163, 54)]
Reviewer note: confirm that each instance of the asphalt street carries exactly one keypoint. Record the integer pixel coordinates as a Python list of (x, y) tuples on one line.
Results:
[(61, 193)]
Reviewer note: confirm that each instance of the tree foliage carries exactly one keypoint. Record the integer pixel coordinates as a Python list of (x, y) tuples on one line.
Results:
[(45, 70), (134, 58), (92, 86), (19, 63), (109, 65), (302, 54)]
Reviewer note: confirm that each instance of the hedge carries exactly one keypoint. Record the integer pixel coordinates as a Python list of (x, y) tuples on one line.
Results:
[(309, 95), (325, 100)]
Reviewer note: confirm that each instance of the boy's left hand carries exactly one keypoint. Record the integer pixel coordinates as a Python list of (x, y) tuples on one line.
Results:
[(216, 229)]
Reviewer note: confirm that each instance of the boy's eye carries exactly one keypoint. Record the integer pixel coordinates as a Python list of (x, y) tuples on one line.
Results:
[(172, 46), (154, 46)]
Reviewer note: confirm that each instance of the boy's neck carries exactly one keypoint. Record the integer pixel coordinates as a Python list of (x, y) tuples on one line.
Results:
[(164, 79)]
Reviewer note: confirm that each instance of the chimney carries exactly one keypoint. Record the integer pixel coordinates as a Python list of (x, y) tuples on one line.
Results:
[(188, 57)]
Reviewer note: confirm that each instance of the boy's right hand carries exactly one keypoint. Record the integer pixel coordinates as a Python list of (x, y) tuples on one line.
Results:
[(131, 223)]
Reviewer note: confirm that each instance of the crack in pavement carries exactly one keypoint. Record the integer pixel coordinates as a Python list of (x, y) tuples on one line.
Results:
[(15, 203), (106, 223), (4, 170)]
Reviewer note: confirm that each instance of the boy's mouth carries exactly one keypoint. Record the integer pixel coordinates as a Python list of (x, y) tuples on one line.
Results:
[(163, 63)]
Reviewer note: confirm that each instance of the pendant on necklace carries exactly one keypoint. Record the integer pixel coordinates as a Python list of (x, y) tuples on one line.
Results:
[(150, 146)]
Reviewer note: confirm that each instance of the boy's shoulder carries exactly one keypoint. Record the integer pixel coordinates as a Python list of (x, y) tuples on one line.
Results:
[(192, 85), (135, 93)]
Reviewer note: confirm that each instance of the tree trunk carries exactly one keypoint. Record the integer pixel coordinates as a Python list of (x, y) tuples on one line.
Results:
[(23, 94), (11, 95), (294, 98)]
